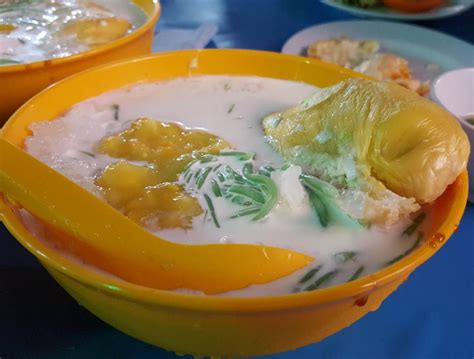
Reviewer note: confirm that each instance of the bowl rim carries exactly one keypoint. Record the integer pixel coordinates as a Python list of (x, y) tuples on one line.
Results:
[(96, 51), (117, 287)]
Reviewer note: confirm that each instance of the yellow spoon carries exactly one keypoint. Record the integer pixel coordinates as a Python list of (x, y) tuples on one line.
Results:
[(101, 236)]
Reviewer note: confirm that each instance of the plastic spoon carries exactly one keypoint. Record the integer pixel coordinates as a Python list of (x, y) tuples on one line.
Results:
[(101, 236)]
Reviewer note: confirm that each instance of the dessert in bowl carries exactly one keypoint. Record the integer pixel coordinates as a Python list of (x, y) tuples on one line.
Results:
[(232, 146), (43, 41)]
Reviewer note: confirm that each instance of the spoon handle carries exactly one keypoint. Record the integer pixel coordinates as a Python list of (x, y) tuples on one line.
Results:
[(87, 227)]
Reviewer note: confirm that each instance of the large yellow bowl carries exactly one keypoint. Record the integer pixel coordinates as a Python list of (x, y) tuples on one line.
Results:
[(215, 325), (20, 82)]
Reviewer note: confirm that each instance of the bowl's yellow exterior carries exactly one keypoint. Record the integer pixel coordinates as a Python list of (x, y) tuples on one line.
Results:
[(20, 82), (215, 325)]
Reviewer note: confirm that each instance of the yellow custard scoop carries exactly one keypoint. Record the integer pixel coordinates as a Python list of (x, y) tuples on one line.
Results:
[(100, 236)]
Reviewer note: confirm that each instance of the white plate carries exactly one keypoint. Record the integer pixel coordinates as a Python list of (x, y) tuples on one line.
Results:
[(452, 7), (420, 46)]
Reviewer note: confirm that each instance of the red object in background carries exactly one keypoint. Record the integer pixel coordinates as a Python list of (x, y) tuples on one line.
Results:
[(413, 5)]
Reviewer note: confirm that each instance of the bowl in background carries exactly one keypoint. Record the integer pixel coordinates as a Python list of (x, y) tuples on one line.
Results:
[(208, 325), (20, 82), (455, 91)]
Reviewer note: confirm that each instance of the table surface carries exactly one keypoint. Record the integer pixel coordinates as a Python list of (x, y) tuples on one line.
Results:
[(430, 316)]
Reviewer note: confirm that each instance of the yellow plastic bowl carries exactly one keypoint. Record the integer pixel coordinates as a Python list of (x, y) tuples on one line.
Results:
[(216, 325), (20, 82)]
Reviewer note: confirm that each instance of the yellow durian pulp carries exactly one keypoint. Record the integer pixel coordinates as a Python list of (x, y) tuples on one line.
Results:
[(94, 32), (414, 147), (150, 195)]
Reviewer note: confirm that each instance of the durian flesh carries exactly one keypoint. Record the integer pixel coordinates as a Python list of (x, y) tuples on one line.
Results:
[(376, 140)]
